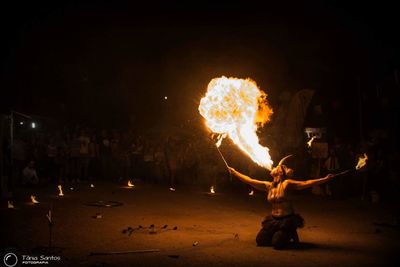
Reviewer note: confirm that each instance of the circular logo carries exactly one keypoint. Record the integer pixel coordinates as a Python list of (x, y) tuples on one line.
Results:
[(10, 259)]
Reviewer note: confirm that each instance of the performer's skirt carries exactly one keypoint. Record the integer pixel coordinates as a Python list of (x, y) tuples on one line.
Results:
[(278, 231)]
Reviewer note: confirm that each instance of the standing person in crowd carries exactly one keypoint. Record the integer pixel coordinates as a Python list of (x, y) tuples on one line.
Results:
[(137, 156), (52, 153), (29, 175), (105, 155), (94, 163), (83, 163), (160, 163), (172, 156), (126, 155), (331, 165), (190, 162), (148, 160), (74, 148), (62, 161), (19, 153), (116, 153)]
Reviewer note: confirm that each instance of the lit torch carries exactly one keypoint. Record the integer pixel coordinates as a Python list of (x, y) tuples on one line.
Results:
[(212, 191), (236, 108), (130, 184), (33, 199), (362, 162), (60, 193), (309, 143), (10, 205), (251, 193)]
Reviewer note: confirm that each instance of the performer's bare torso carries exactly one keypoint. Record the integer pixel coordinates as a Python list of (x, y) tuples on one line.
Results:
[(279, 199)]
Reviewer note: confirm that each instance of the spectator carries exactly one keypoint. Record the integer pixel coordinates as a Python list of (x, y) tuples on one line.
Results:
[(105, 155), (29, 174), (83, 163)]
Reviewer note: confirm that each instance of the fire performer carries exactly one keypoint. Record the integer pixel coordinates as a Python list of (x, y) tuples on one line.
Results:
[(280, 228), (236, 108)]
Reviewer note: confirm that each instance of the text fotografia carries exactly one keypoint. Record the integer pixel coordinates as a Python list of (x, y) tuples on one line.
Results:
[(42, 259)]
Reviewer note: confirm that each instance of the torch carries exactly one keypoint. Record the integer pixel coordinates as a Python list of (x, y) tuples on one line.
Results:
[(362, 162), (217, 145)]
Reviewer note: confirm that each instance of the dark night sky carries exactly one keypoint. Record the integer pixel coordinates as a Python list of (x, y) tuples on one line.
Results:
[(104, 61)]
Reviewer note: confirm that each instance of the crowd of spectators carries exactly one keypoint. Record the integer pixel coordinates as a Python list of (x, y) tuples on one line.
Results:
[(112, 155), (85, 155)]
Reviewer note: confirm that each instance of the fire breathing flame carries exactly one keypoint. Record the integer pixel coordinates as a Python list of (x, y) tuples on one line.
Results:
[(309, 143), (130, 184), (236, 108), (212, 191), (33, 199), (60, 191), (362, 161), (251, 193)]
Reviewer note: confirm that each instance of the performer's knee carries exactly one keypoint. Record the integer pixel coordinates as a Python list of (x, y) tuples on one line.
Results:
[(263, 238), (280, 240)]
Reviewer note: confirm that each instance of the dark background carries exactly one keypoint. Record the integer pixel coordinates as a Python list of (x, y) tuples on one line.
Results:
[(109, 63)]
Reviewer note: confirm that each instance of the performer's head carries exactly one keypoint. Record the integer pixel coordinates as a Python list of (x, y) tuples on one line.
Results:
[(281, 172)]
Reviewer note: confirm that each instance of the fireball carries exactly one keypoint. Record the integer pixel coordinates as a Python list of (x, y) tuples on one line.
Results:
[(237, 108)]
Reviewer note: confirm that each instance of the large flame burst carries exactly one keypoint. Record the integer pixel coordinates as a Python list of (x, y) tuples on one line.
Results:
[(236, 108)]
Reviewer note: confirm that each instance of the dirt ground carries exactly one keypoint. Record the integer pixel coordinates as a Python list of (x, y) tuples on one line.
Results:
[(212, 230)]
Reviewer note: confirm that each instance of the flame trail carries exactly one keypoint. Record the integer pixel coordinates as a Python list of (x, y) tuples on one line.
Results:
[(236, 108)]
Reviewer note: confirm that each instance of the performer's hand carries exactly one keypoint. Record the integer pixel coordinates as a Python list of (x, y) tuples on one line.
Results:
[(231, 170), (330, 176)]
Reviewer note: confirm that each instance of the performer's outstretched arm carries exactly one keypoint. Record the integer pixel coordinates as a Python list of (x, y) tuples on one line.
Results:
[(299, 185), (257, 184)]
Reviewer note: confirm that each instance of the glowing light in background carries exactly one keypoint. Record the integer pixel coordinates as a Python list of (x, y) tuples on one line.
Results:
[(60, 193), (33, 199), (212, 191), (309, 143), (362, 161)]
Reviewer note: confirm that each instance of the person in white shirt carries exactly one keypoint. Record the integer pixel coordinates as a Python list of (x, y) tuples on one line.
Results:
[(29, 175)]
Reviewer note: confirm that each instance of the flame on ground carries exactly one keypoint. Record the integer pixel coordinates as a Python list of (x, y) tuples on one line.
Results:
[(212, 191), (236, 108), (362, 161), (60, 191), (309, 143), (130, 184), (33, 199)]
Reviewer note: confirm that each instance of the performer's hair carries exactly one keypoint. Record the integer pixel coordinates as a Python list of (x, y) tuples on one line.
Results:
[(282, 170)]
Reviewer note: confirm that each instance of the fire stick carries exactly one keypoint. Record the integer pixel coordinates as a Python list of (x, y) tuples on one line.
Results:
[(226, 164)]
